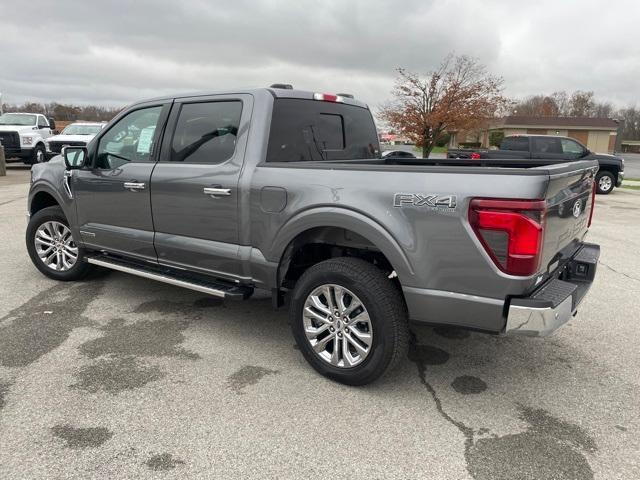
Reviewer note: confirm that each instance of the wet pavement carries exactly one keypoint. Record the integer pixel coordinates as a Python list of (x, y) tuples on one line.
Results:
[(121, 377)]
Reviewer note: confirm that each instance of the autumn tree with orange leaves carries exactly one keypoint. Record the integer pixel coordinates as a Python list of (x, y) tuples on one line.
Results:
[(459, 95)]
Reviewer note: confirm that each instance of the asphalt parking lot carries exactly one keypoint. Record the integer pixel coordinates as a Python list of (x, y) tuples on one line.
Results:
[(121, 377)]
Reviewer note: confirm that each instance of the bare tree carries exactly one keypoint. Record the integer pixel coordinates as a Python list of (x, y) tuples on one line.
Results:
[(66, 112), (537, 105), (630, 119), (603, 109), (581, 104), (560, 104), (459, 95), (561, 99)]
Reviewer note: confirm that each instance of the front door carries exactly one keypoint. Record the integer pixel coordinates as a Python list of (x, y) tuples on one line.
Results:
[(112, 194), (43, 127), (194, 191)]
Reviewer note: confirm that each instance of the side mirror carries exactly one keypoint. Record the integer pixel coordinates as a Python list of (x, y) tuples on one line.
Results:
[(74, 157), (52, 123)]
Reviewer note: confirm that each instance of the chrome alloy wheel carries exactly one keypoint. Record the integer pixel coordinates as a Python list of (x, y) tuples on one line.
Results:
[(605, 183), (337, 326), (55, 246)]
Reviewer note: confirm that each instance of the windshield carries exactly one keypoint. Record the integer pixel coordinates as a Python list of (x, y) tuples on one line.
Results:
[(23, 119), (78, 129)]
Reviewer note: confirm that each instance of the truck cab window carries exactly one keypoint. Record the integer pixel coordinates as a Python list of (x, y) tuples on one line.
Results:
[(571, 148), (206, 132), (42, 122), (309, 130), (515, 143), (548, 145), (130, 140)]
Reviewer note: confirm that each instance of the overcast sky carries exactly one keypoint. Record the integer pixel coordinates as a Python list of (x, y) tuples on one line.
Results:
[(114, 52)]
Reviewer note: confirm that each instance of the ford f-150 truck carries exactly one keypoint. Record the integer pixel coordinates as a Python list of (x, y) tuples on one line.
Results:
[(286, 191), (548, 149), (23, 136)]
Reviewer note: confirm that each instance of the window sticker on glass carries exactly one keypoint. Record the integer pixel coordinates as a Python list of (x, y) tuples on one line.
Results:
[(145, 139)]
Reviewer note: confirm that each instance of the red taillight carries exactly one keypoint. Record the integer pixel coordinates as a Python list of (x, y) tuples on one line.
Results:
[(328, 97), (593, 203), (475, 156), (511, 232)]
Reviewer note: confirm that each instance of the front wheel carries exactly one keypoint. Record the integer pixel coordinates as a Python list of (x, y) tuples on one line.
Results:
[(605, 182), (52, 247), (38, 155), (349, 320)]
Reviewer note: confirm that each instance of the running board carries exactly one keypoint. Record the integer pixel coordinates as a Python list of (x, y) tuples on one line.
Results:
[(216, 288)]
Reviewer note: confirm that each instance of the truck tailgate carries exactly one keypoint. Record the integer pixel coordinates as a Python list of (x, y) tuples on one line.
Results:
[(569, 199)]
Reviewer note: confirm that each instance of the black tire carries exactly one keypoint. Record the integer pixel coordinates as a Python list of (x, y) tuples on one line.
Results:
[(609, 183), (384, 304), (79, 270), (38, 155)]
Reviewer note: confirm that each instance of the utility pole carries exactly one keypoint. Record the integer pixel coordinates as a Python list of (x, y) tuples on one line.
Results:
[(1, 112)]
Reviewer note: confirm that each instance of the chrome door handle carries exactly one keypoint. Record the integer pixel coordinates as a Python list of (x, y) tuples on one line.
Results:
[(134, 186), (217, 191)]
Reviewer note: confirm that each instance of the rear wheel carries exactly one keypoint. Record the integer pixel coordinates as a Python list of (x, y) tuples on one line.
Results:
[(52, 247), (605, 182), (349, 320)]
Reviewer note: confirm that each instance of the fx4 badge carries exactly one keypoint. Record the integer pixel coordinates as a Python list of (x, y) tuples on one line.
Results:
[(445, 202)]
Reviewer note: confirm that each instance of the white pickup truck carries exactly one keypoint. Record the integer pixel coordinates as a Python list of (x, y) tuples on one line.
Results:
[(23, 136), (77, 134)]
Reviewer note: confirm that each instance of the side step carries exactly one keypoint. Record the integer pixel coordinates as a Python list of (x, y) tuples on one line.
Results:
[(217, 288)]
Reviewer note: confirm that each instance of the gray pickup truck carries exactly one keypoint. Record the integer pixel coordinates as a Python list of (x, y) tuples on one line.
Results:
[(285, 190)]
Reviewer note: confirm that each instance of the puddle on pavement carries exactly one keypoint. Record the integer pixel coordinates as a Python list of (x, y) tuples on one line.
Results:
[(469, 385), (163, 461), (549, 448), (43, 323), (148, 338), (115, 375), (78, 438), (246, 376)]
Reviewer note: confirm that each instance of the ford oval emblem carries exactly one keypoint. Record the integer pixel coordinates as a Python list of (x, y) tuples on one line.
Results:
[(577, 208)]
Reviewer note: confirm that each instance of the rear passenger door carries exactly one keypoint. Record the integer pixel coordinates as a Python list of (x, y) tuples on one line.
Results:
[(194, 187)]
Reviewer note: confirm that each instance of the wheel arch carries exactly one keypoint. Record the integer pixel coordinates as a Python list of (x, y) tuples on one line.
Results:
[(42, 199), (339, 228)]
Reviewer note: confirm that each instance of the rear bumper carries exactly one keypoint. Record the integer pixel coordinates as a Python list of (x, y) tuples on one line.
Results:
[(556, 301)]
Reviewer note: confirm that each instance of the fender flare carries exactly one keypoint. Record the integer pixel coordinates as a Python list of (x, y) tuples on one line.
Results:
[(348, 219), (44, 186)]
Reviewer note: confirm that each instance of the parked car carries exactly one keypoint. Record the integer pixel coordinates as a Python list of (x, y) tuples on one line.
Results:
[(547, 149), (397, 154), (23, 136), (77, 134), (285, 190)]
